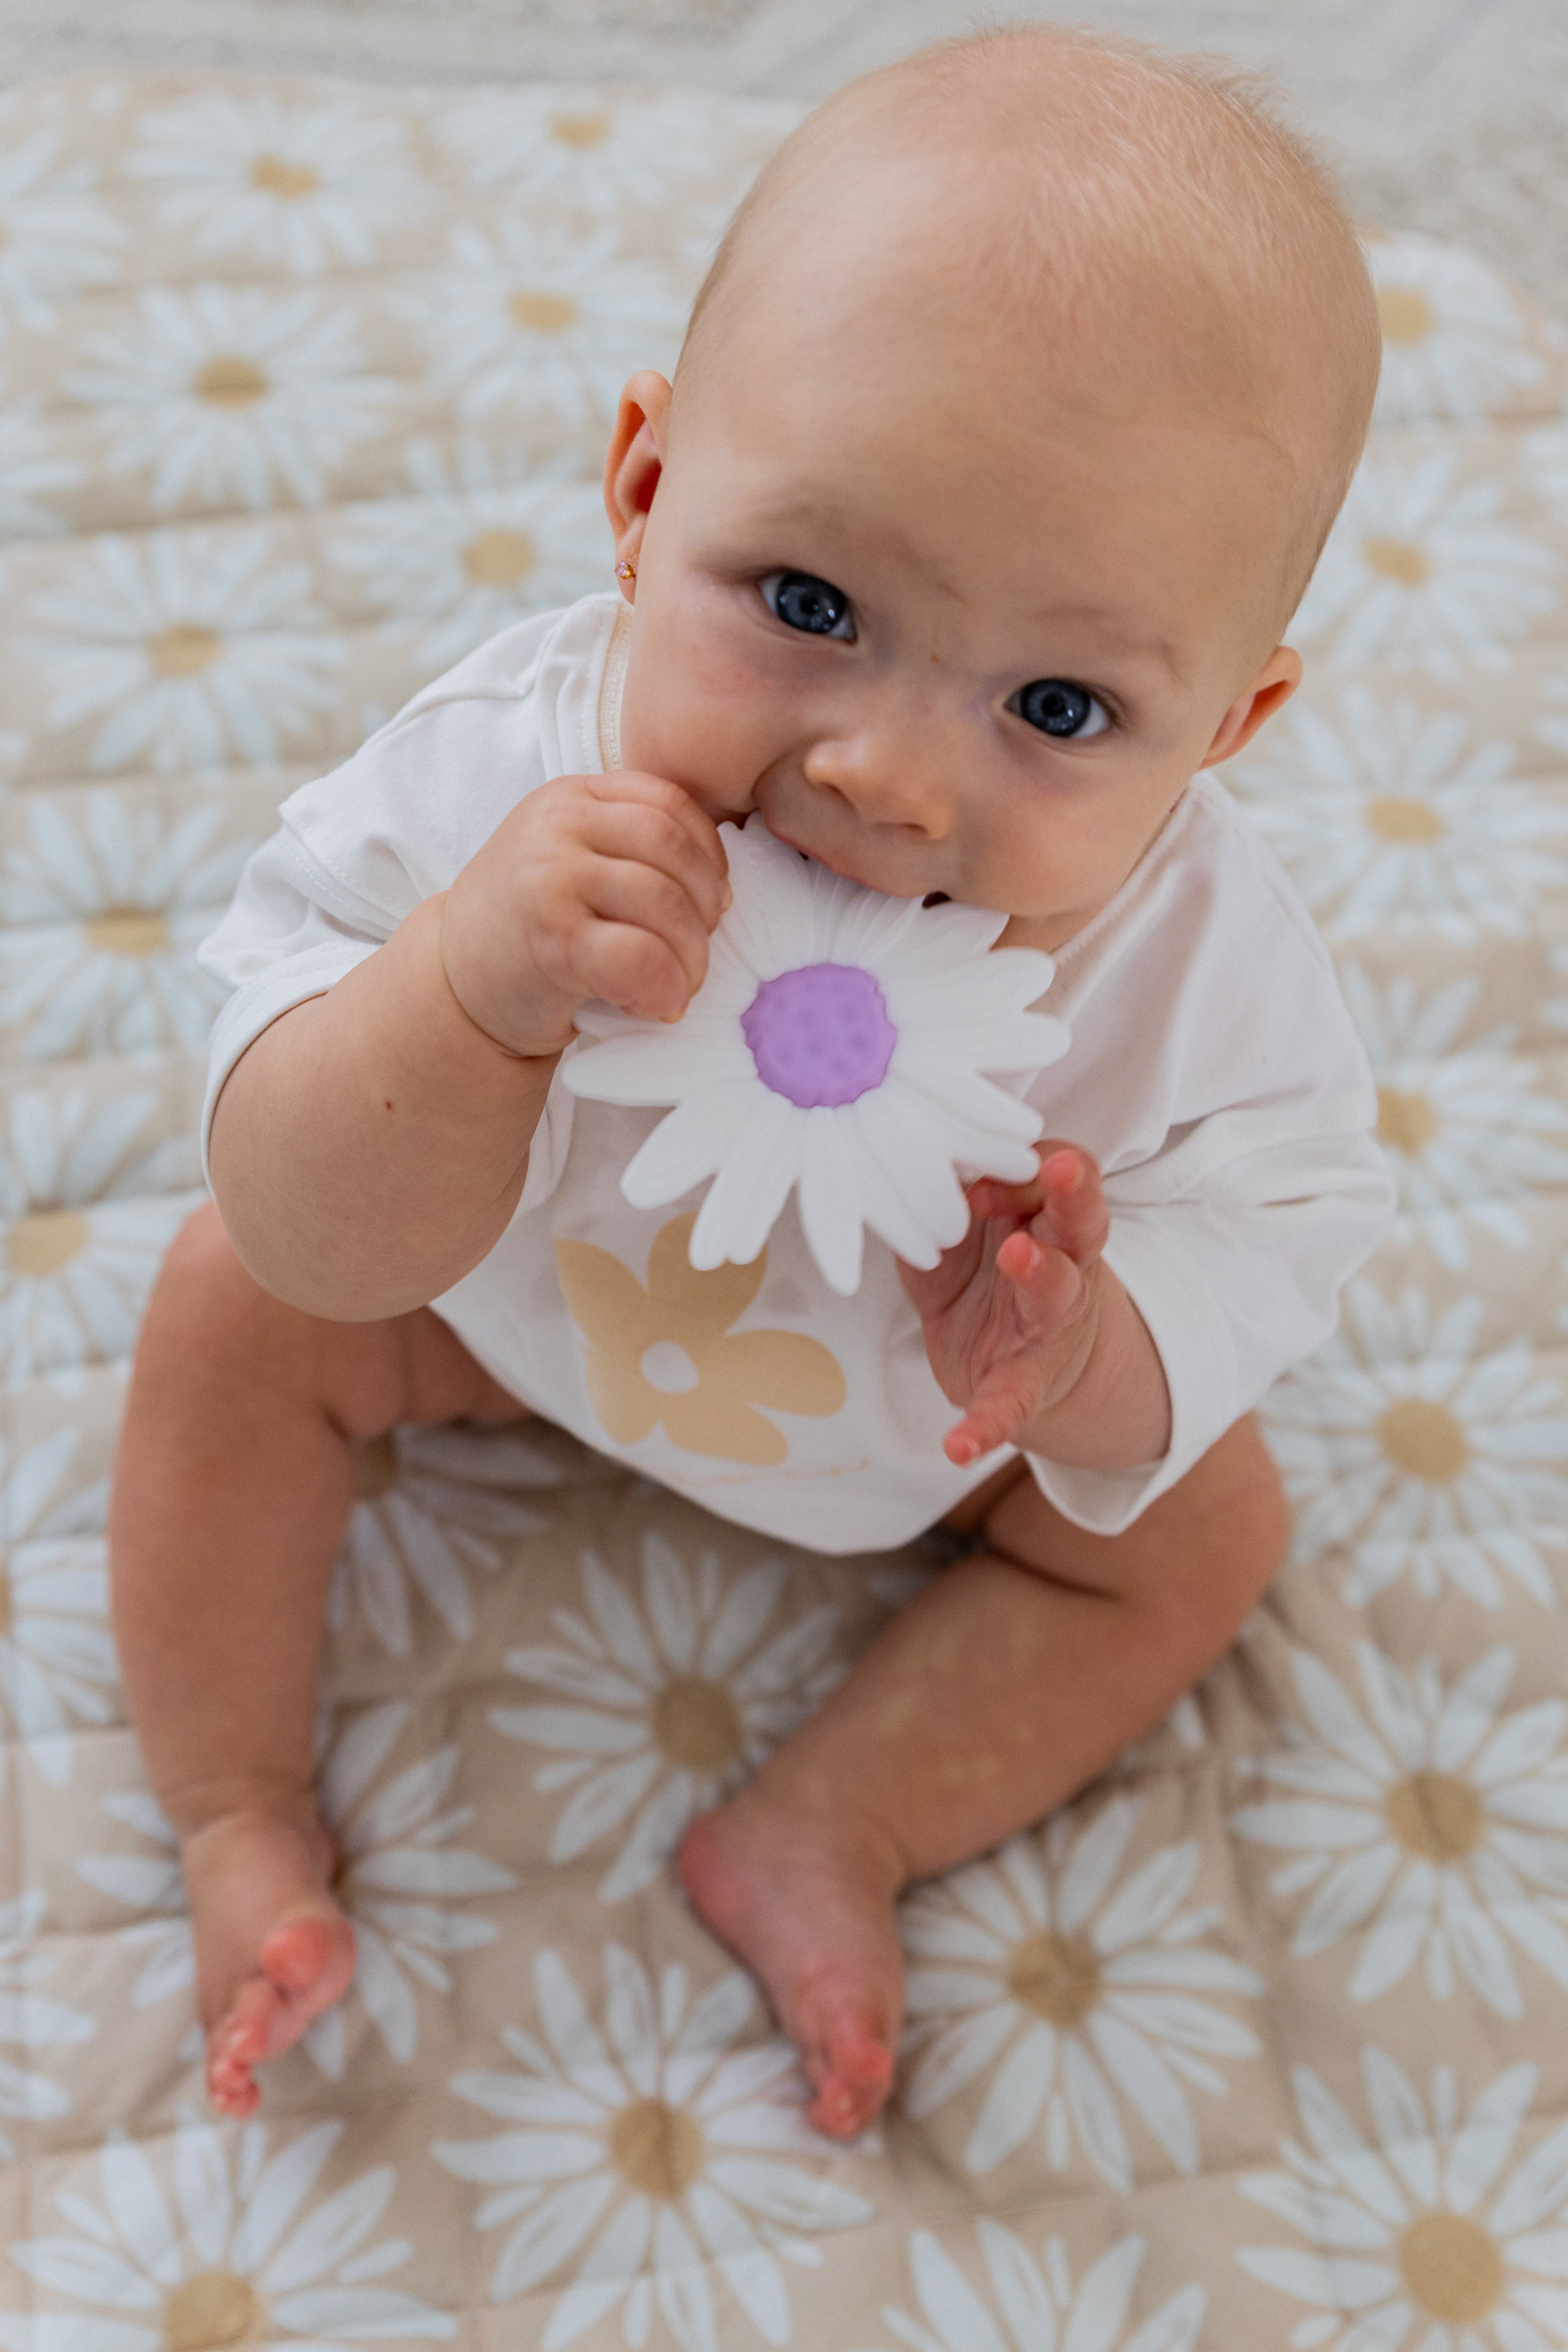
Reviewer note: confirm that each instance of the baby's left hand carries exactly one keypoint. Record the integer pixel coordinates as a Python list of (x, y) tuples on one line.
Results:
[(1011, 1315)]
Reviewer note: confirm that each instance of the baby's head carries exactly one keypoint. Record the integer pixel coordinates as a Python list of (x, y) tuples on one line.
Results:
[(1010, 422)]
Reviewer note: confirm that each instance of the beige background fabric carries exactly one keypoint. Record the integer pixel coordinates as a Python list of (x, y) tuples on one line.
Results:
[(1450, 117), (1259, 2043)]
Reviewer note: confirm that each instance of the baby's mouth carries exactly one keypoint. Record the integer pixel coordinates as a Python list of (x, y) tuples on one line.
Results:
[(819, 857)]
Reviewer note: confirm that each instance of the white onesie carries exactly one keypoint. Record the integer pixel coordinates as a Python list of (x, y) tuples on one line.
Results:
[(1214, 1074)]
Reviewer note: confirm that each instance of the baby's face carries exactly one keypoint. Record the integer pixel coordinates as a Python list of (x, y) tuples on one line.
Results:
[(957, 627)]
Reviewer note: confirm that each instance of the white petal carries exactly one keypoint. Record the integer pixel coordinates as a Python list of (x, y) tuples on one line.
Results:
[(948, 2300), (956, 2057), (689, 1146), (1015, 2101), (660, 1066)]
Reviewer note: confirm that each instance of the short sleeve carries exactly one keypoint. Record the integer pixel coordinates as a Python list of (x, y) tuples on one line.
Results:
[(356, 851)]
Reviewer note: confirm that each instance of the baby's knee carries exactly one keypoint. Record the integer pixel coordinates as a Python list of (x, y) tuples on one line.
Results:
[(1215, 1540), (203, 1284), (208, 1317)]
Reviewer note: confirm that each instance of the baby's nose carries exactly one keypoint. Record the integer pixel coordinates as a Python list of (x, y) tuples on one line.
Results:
[(887, 778)]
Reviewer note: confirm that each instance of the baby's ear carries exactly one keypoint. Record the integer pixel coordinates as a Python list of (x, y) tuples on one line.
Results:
[(635, 457), (1275, 684)]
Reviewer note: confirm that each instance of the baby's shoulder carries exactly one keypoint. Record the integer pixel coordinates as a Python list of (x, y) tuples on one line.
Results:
[(1211, 863)]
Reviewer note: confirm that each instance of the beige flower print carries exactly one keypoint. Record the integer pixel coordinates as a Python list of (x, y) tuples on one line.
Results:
[(666, 1357)]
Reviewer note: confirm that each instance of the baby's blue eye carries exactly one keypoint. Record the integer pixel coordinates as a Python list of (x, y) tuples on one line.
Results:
[(1057, 706), (802, 601)]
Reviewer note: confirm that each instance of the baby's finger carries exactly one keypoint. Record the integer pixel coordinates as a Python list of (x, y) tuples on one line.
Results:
[(1073, 1217), (625, 786), (623, 965), (639, 834), (991, 1196), (1005, 1400), (616, 891), (1052, 1282)]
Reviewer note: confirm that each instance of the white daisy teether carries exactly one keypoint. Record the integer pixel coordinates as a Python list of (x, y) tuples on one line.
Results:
[(836, 1045)]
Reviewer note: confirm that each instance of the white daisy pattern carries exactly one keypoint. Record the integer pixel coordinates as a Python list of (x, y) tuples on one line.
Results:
[(482, 544), (1420, 2235), (152, 1885), (228, 395), (306, 185), (1033, 2304), (1468, 1129), (836, 1047), (431, 1506), (662, 2139), (239, 2246), (197, 648), (76, 1262), (542, 144), (58, 1667), (1388, 820), (1069, 1988), (1428, 1824), (664, 1702), (1423, 574), (1422, 1456), (535, 320), (1455, 342), (30, 471), (30, 2021), (400, 1878), (1546, 458), (106, 902), (57, 238), (1556, 1008)]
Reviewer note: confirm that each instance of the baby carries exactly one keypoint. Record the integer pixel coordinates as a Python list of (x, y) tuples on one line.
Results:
[(1011, 420)]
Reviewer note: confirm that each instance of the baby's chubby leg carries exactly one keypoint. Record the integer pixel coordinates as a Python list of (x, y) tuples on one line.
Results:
[(1013, 1679), (232, 1484)]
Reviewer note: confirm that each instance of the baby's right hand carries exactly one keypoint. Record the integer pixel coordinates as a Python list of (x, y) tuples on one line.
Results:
[(594, 886)]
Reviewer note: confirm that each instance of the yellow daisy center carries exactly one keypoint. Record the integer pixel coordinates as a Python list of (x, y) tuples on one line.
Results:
[(280, 179), (42, 1244), (373, 1465), (1056, 1975), (230, 380), (1405, 824), (657, 2149), (498, 558), (1424, 1440), (1399, 560), (580, 130), (1436, 1816), (1406, 1122), (696, 1724), (1451, 2267), (543, 314), (213, 2310), (1404, 316), (127, 931), (182, 649)]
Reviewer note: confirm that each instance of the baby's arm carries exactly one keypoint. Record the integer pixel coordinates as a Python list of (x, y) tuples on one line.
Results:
[(370, 1147), (1033, 1334)]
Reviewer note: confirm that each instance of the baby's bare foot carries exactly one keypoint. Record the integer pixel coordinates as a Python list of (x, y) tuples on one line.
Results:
[(273, 1949), (810, 1911)]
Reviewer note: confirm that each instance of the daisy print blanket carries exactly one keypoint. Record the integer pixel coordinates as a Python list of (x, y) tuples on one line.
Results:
[(1261, 2042)]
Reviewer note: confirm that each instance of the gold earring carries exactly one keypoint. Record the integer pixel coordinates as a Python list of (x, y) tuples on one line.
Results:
[(625, 569)]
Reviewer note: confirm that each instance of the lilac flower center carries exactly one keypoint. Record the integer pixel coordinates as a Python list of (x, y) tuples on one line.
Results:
[(820, 1035)]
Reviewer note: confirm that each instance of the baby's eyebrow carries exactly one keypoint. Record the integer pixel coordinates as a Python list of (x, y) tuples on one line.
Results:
[(1113, 641)]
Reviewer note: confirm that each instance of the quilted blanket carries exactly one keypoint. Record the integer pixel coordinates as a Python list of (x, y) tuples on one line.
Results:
[(1261, 2041)]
